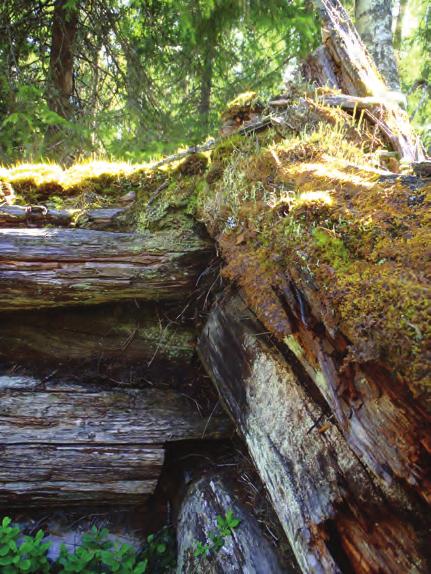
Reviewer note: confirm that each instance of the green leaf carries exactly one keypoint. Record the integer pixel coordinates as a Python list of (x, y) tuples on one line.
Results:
[(6, 521), (25, 565)]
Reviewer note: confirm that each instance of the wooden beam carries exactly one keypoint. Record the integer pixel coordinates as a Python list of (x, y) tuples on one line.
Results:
[(71, 444), (89, 337), (57, 267)]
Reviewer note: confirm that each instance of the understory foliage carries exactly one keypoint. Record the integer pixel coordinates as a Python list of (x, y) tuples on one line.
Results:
[(138, 78), (96, 554)]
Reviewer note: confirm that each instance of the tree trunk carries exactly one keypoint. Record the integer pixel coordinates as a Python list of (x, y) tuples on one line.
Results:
[(374, 24), (70, 444), (247, 550), (63, 34), (335, 514), (206, 81), (399, 24), (58, 267)]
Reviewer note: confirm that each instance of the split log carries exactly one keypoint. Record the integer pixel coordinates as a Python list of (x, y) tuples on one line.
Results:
[(338, 517), (90, 336), (58, 267), (344, 60), (71, 444), (247, 550)]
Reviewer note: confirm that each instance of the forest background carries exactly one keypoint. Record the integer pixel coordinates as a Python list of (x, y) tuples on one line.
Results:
[(134, 79)]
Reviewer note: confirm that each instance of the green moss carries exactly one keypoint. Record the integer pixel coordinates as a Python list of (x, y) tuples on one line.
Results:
[(331, 249), (222, 152), (244, 101)]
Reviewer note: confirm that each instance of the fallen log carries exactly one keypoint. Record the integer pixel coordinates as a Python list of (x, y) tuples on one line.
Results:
[(70, 444), (89, 337), (59, 267), (335, 514), (246, 550)]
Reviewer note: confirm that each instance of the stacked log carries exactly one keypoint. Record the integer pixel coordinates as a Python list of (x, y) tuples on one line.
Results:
[(65, 445), (92, 344)]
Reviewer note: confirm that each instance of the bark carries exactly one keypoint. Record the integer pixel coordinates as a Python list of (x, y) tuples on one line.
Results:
[(90, 337), (338, 517), (399, 24), (373, 20), (63, 35), (58, 267), (345, 58), (68, 444), (206, 79), (247, 550)]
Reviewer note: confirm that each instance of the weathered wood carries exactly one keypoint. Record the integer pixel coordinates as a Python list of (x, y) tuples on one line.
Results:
[(247, 550), (84, 336), (59, 474), (357, 74), (145, 416), (102, 219), (17, 215), (57, 267), (72, 445), (335, 514)]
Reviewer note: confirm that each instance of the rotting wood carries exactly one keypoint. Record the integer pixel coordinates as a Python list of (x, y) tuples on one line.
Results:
[(122, 333), (72, 444), (60, 474), (357, 75), (335, 514), (32, 215), (57, 267), (247, 550)]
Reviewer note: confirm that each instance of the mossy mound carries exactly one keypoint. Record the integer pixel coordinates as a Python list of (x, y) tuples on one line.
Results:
[(311, 208)]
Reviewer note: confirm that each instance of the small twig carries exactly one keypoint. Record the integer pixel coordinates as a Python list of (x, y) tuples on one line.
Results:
[(209, 418)]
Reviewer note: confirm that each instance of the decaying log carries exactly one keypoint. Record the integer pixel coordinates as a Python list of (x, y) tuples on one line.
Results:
[(67, 474), (105, 219), (120, 332), (72, 444), (58, 267), (337, 516), (345, 59), (31, 215), (247, 550)]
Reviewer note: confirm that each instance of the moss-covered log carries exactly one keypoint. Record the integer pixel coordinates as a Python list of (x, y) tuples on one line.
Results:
[(57, 267), (71, 444), (335, 514), (245, 550)]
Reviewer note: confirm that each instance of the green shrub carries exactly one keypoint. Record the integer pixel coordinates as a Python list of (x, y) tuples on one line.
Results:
[(22, 553), (97, 554), (217, 537)]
